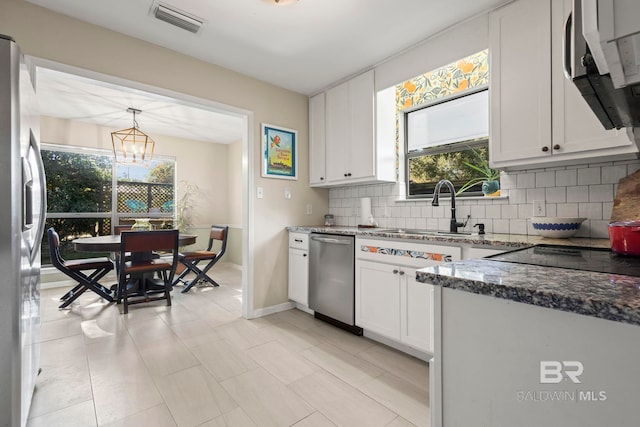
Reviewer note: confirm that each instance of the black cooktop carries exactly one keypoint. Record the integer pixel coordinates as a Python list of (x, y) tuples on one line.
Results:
[(573, 257)]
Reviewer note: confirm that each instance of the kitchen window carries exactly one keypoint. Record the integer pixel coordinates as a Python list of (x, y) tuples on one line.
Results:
[(445, 117)]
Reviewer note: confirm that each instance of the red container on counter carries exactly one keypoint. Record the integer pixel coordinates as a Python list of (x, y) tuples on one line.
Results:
[(625, 237)]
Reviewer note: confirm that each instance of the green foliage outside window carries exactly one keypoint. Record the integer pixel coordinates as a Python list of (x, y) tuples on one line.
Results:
[(77, 182), (426, 171)]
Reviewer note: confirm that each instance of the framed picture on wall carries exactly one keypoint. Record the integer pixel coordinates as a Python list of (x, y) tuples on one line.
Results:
[(280, 152)]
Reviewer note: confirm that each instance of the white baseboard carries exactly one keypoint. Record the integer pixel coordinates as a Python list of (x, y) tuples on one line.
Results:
[(259, 312)]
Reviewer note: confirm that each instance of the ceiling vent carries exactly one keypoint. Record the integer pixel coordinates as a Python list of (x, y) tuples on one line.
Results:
[(174, 16)]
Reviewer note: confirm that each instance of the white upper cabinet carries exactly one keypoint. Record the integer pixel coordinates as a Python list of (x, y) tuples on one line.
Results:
[(537, 116), (519, 81), (317, 166), (353, 151)]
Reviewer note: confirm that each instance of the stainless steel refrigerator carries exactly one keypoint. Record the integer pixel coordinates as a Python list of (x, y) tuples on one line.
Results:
[(22, 216)]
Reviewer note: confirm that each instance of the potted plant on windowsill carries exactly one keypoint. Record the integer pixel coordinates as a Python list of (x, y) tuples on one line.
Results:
[(490, 178)]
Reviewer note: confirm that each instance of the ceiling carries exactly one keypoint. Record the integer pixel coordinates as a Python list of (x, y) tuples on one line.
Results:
[(68, 96), (304, 47)]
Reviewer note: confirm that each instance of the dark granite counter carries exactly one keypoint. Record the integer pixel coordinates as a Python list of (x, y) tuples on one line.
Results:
[(607, 296), (490, 239)]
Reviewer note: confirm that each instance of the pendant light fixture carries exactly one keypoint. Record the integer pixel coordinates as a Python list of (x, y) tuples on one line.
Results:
[(132, 145)]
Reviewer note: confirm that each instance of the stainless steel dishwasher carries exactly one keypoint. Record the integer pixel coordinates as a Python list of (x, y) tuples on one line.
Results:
[(332, 280)]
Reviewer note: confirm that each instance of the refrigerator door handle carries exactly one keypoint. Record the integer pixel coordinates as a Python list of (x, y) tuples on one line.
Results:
[(39, 164), (27, 195)]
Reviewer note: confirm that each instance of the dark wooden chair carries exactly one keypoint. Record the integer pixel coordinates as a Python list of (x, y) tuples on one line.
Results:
[(77, 270), (137, 282), (192, 259)]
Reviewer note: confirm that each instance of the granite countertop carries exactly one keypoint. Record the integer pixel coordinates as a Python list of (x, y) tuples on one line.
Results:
[(490, 239), (604, 295)]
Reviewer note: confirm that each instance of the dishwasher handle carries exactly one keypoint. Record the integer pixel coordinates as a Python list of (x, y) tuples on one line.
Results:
[(330, 240)]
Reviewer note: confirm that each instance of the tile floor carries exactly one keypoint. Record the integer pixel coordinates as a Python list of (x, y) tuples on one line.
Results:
[(199, 363)]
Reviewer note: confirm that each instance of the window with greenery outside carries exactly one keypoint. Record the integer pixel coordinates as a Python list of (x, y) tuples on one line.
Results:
[(81, 195), (426, 166), (77, 183)]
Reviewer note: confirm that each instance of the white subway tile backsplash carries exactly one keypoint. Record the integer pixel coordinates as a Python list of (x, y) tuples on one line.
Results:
[(478, 211), (599, 229), (601, 193), (493, 211), (578, 190), (517, 196), (578, 194), (590, 210), (633, 168), (607, 210), (566, 178), (589, 176), (612, 174), (556, 195), (501, 226), (509, 211), (567, 209), (518, 226), (545, 179), (534, 194), (432, 223), (508, 181), (526, 180)]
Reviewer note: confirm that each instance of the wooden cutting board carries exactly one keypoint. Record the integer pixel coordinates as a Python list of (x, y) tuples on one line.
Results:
[(626, 204)]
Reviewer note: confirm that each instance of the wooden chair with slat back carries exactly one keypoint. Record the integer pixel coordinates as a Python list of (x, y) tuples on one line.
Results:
[(137, 282), (77, 270), (191, 259)]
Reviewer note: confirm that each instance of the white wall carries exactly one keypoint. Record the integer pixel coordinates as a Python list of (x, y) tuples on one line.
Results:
[(45, 34)]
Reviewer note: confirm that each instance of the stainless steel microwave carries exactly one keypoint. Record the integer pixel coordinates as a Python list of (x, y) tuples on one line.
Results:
[(602, 57)]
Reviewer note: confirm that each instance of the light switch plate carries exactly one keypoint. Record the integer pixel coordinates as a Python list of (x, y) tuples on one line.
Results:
[(259, 192), (309, 208), (287, 193), (539, 208)]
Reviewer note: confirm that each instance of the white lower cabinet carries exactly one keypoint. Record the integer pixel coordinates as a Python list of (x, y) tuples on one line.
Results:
[(389, 301), (416, 324), (299, 268), (378, 298)]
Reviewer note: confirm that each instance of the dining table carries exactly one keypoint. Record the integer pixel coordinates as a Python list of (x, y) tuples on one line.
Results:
[(111, 243)]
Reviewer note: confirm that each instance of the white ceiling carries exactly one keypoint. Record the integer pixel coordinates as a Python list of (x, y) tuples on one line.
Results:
[(72, 97), (304, 47)]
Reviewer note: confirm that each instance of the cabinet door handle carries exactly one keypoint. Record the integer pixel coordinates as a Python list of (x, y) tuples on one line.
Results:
[(304, 255), (556, 147), (402, 273), (298, 240), (322, 178), (345, 175), (395, 271), (349, 174), (545, 148)]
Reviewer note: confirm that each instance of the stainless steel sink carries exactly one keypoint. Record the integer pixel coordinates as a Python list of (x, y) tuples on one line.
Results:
[(421, 232)]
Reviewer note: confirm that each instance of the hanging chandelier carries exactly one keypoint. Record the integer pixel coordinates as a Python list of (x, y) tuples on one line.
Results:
[(132, 145)]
